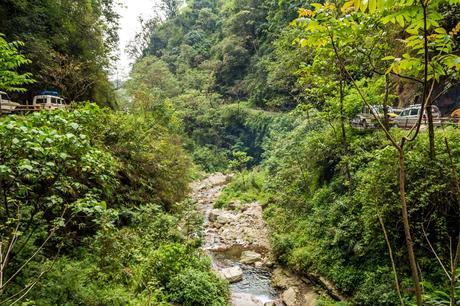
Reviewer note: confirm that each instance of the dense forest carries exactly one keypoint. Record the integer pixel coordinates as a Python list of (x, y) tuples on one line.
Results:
[(95, 199)]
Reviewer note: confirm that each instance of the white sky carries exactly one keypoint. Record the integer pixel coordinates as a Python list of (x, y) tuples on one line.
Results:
[(130, 11)]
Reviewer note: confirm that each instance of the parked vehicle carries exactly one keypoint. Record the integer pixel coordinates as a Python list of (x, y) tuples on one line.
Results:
[(455, 115), (410, 115), (49, 100), (366, 119), (6, 105)]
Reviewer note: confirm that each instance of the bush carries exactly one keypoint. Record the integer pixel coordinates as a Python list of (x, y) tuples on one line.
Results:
[(95, 194), (193, 287), (246, 187), (325, 223)]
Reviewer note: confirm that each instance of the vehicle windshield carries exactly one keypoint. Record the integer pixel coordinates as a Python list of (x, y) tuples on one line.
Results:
[(5, 96)]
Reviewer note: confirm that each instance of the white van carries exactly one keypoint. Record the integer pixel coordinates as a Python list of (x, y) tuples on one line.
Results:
[(409, 116), (49, 100)]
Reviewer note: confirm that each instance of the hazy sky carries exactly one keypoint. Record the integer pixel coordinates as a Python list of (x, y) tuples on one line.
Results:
[(130, 11)]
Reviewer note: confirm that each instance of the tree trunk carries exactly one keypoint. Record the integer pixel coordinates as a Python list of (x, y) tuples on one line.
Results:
[(342, 126), (426, 94), (429, 114), (386, 120), (407, 230)]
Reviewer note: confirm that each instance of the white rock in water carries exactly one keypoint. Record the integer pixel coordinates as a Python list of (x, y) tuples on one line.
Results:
[(249, 257), (258, 264), (245, 299), (232, 274)]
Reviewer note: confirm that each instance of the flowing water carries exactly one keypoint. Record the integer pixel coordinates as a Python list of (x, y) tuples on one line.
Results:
[(255, 288)]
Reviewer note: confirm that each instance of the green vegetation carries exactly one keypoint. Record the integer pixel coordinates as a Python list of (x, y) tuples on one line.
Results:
[(323, 223), (91, 206), (246, 187), (11, 61), (94, 201)]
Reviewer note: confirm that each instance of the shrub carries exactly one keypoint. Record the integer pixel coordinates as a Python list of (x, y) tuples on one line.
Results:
[(246, 187), (193, 287)]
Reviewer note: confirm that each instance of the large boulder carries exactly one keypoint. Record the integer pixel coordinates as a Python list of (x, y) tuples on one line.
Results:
[(289, 297), (249, 257), (245, 299), (283, 279), (234, 205), (232, 274)]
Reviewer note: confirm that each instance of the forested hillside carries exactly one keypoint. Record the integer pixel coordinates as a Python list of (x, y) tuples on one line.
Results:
[(336, 119), (69, 43)]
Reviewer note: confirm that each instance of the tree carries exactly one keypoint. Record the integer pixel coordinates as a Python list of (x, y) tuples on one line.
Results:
[(170, 7), (328, 27), (10, 61)]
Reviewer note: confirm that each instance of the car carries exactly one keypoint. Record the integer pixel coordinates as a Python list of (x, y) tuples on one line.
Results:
[(6, 105), (455, 115), (366, 119), (49, 100), (410, 115)]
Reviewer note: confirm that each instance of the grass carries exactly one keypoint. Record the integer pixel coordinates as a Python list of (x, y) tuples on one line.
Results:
[(246, 187)]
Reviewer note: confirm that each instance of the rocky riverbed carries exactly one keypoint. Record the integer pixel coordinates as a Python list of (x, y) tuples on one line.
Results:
[(237, 240)]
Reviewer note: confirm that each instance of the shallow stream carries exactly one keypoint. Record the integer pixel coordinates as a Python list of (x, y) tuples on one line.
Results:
[(255, 288)]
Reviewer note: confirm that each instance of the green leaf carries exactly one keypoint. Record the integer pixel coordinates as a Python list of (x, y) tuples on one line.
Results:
[(388, 58), (400, 20), (372, 6)]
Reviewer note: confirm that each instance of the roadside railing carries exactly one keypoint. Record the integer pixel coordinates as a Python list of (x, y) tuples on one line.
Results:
[(439, 122)]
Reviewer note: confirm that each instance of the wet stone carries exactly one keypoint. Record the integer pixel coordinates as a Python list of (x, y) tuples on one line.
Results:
[(249, 257), (232, 274)]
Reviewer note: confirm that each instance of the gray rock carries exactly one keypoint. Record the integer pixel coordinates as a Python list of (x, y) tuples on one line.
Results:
[(258, 264), (213, 214), (234, 204), (225, 218), (245, 299), (249, 257), (290, 297), (217, 179), (232, 274)]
